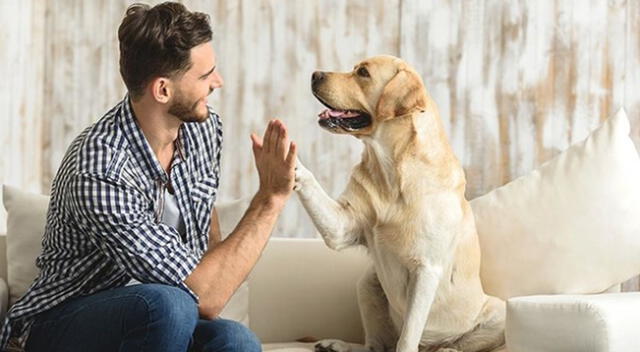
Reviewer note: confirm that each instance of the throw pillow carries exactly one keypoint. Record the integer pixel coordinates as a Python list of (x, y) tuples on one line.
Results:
[(26, 218), (571, 226)]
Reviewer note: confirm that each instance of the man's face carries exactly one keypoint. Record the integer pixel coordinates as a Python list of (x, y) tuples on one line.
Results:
[(189, 101)]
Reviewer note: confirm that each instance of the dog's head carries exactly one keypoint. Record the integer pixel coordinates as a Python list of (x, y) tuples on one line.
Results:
[(376, 90)]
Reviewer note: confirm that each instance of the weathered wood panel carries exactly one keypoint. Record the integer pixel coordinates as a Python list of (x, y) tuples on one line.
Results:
[(21, 83), (516, 81), (81, 79)]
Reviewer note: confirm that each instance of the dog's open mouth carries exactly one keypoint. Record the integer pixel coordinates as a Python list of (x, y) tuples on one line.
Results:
[(348, 120)]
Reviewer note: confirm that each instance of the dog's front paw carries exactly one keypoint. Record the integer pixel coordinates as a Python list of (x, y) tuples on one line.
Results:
[(332, 346), (303, 176), (377, 346)]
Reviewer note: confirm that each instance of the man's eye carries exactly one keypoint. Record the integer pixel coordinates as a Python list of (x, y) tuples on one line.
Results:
[(362, 72)]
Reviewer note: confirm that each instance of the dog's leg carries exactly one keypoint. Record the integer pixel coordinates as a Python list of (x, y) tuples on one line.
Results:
[(330, 217), (379, 332), (421, 290), (489, 333)]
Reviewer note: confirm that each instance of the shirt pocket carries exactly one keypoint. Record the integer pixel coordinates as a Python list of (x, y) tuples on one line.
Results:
[(203, 193)]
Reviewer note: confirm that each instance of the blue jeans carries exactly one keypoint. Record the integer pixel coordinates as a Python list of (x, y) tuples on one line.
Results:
[(146, 317)]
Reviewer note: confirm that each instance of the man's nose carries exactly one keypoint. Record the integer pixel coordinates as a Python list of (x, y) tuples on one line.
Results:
[(317, 77), (217, 81)]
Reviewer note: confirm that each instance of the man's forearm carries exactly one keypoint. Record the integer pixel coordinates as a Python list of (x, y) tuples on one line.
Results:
[(224, 267)]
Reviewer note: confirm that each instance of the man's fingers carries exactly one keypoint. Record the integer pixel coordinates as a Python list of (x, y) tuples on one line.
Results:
[(273, 137), (283, 142), (267, 137), (293, 154), (256, 141), (277, 146)]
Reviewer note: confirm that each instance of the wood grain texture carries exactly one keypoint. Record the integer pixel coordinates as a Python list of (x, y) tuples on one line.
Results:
[(516, 82), (21, 95)]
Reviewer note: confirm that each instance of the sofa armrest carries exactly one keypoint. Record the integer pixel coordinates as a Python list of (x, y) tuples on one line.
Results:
[(301, 288), (4, 299)]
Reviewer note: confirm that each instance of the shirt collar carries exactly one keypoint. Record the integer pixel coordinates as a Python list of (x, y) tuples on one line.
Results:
[(141, 148)]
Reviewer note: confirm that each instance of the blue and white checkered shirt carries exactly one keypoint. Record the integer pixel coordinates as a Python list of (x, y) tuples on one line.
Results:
[(104, 220)]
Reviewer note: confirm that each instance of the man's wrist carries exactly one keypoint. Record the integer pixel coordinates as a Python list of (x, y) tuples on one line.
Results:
[(270, 200)]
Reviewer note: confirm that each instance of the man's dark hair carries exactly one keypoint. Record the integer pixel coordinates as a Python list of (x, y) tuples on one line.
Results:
[(156, 42)]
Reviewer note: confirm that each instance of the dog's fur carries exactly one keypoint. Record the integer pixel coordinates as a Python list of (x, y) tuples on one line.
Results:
[(404, 202)]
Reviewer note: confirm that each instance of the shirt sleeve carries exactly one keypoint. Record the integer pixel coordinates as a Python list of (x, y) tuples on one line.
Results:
[(117, 220)]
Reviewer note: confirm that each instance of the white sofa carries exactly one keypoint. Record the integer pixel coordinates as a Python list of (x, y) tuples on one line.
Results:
[(550, 240)]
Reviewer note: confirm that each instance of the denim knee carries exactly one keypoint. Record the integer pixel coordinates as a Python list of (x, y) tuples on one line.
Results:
[(169, 310), (224, 335)]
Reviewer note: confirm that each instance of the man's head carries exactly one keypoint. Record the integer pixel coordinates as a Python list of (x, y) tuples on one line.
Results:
[(166, 55)]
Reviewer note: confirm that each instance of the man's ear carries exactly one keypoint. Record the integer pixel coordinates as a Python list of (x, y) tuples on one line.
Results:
[(161, 89), (403, 94)]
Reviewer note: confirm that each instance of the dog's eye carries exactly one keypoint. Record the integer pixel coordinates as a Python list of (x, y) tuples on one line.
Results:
[(362, 72)]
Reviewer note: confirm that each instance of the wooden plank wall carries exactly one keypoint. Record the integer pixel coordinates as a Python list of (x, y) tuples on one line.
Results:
[(516, 81)]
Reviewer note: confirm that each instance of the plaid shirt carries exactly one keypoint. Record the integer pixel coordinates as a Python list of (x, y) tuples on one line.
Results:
[(104, 219)]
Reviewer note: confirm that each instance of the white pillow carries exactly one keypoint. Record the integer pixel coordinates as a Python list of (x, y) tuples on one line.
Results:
[(572, 226), (26, 218)]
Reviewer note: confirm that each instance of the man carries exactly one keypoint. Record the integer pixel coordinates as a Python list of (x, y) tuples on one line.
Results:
[(131, 259)]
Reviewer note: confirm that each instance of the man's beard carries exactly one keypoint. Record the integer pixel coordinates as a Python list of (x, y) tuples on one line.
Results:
[(186, 111)]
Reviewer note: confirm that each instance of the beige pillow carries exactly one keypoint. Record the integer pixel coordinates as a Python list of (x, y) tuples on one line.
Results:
[(26, 217), (572, 226)]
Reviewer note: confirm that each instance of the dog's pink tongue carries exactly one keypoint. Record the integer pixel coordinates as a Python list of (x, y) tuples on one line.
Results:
[(337, 113), (324, 115)]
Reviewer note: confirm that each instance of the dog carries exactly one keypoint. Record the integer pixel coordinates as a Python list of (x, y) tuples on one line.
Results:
[(405, 203)]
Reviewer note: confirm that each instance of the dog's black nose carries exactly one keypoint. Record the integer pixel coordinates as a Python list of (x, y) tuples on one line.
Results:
[(317, 77)]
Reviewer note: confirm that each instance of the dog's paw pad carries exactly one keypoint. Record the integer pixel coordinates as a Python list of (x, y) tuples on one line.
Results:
[(332, 346)]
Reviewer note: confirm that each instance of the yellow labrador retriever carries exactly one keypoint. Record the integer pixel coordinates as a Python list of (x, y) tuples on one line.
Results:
[(405, 203)]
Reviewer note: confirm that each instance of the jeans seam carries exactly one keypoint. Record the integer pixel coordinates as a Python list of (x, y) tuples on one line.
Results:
[(146, 326)]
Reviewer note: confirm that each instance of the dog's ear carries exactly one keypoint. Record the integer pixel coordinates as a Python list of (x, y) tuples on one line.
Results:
[(403, 94)]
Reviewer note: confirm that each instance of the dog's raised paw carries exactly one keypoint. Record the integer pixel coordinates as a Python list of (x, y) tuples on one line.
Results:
[(303, 175), (332, 346)]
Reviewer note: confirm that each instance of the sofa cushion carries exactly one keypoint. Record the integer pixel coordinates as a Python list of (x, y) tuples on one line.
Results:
[(26, 218), (571, 226), (301, 287), (586, 323)]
